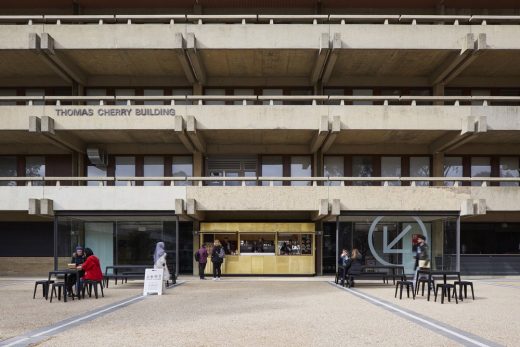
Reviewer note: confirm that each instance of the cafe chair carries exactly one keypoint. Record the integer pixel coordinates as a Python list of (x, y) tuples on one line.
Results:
[(445, 289), (422, 282), (88, 285), (464, 285), (60, 286), (45, 287), (409, 286)]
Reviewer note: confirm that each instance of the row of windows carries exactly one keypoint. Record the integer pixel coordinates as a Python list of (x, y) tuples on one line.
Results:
[(280, 166)]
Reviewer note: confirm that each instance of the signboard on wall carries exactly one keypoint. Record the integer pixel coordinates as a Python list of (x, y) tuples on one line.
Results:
[(113, 111), (153, 281)]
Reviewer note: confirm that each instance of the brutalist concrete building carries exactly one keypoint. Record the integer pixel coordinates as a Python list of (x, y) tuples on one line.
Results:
[(288, 130)]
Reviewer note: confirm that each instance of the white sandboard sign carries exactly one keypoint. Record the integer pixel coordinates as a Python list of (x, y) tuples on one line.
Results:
[(153, 281)]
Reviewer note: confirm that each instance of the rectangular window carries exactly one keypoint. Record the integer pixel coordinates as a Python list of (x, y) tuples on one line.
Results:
[(8, 168), (420, 167), (94, 171), (8, 92), (391, 92), (334, 91), (35, 167), (333, 166), (35, 92), (153, 167), (480, 167), (301, 167), (124, 92), (479, 92), (362, 167), (153, 92), (182, 92), (272, 91), (182, 166), (452, 168), (272, 166), (125, 167), (391, 167), (421, 92), (362, 92), (509, 168), (244, 92), (215, 92), (95, 92)]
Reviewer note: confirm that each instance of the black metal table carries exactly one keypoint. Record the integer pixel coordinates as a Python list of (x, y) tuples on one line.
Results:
[(66, 273), (386, 267), (432, 274)]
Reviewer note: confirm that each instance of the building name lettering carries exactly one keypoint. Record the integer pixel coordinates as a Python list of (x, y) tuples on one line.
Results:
[(114, 112)]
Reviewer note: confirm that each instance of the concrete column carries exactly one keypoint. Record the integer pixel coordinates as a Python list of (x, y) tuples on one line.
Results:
[(438, 90), (317, 170), (197, 89), (437, 235), (198, 164), (438, 167)]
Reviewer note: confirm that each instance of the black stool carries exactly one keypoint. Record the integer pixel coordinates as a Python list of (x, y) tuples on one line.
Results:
[(89, 284), (445, 291), (45, 287), (465, 285), (60, 285), (400, 285), (421, 282)]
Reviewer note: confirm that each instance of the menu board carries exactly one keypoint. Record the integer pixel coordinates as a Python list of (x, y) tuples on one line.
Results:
[(153, 281), (306, 247)]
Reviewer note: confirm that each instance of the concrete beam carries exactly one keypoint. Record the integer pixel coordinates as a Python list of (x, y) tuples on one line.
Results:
[(191, 210), (46, 207), (34, 124), (196, 137), (321, 58), (444, 73), (73, 72), (180, 51), (321, 135), (333, 57), (195, 59), (471, 127), (472, 207), (62, 139), (180, 130), (34, 207), (322, 210), (335, 129), (335, 207), (179, 207)]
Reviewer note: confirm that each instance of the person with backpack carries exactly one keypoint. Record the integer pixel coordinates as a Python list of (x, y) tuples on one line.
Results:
[(201, 257), (217, 258)]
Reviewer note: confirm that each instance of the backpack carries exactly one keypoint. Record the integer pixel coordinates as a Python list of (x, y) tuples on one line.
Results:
[(197, 256), (221, 254)]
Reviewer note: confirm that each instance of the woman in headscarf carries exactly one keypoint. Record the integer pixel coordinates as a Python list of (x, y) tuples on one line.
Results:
[(159, 259)]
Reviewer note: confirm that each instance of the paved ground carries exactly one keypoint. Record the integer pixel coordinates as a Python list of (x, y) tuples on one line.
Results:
[(265, 312)]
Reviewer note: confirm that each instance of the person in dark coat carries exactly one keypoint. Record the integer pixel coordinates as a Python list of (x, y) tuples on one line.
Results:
[(217, 258), (342, 265), (202, 260), (78, 258), (354, 265)]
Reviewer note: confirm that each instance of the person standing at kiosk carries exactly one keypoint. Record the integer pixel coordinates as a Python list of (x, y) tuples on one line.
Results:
[(217, 258)]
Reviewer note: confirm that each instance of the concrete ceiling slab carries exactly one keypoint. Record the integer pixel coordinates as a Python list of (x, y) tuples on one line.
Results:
[(495, 64), (258, 137), (371, 137), (119, 136), (23, 63)]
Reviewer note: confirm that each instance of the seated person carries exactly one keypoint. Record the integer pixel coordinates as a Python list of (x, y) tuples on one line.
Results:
[(91, 266), (354, 264), (342, 265), (78, 257)]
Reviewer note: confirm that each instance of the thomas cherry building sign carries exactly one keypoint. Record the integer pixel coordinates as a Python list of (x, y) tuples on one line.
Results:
[(114, 111)]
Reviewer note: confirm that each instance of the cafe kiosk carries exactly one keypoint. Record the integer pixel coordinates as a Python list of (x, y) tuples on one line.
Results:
[(262, 248)]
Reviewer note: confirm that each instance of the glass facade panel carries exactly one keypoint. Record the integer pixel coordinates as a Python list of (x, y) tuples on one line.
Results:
[(153, 167), (272, 91), (420, 167), (125, 167), (479, 92), (8, 92), (243, 91), (94, 171), (35, 167), (95, 92), (153, 92), (8, 168), (333, 166), (509, 168), (182, 91), (35, 92), (362, 167), (182, 166), (391, 167), (362, 92), (301, 167), (124, 92), (480, 167), (215, 92), (272, 166), (452, 168)]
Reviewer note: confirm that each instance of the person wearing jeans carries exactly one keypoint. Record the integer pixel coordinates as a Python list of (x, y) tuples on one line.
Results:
[(217, 258)]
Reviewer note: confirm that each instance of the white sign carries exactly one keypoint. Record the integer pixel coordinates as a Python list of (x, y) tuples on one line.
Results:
[(153, 281), (388, 247)]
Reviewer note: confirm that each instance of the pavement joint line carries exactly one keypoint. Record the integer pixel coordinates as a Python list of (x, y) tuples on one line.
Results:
[(38, 334), (433, 325), (494, 284)]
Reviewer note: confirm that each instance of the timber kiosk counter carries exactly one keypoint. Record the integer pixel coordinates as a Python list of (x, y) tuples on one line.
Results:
[(262, 248)]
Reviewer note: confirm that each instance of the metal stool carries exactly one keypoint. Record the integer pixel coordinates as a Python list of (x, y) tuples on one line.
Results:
[(45, 287)]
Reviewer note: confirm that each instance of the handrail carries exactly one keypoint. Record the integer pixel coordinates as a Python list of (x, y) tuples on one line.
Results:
[(404, 19)]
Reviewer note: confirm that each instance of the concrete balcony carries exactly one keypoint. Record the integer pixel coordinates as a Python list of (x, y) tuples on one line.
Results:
[(320, 199), (260, 50), (266, 124)]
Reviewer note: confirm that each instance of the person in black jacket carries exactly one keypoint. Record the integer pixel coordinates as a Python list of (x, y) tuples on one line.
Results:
[(78, 258), (354, 265), (217, 258)]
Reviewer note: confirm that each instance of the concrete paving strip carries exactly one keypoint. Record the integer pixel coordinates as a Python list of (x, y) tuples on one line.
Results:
[(457, 335), (32, 337)]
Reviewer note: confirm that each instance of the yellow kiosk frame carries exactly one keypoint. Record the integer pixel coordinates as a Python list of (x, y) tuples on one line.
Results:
[(274, 263)]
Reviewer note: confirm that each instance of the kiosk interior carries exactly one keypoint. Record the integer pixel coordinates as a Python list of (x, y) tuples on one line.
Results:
[(262, 248)]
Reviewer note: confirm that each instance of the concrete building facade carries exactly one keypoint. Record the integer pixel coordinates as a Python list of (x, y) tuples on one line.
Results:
[(287, 129)]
